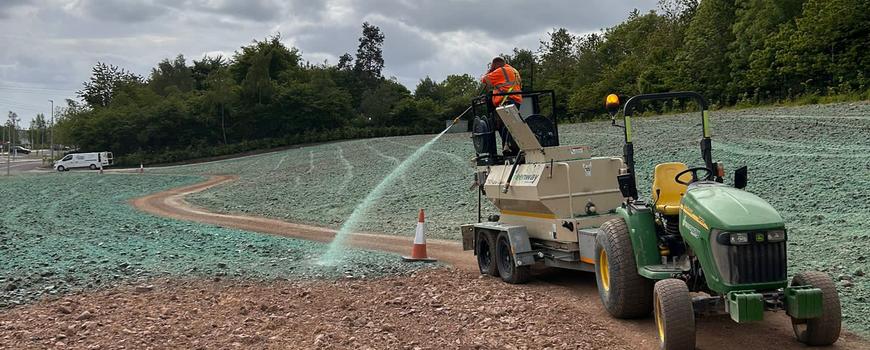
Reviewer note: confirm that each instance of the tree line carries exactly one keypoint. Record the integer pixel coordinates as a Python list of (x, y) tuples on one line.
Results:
[(734, 52)]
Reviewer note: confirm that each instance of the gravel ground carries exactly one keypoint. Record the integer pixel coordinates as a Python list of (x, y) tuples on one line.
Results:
[(72, 232), (810, 162), (435, 309)]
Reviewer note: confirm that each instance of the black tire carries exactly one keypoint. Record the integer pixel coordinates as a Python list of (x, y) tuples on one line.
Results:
[(60, 168), (624, 293), (485, 250), (824, 330), (93, 167), (507, 269), (674, 316)]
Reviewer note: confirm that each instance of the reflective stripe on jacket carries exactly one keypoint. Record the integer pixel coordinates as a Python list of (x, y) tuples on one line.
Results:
[(503, 80)]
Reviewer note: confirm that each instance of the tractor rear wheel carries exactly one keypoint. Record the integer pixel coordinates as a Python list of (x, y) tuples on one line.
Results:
[(507, 268), (824, 330), (624, 293), (485, 250), (674, 316)]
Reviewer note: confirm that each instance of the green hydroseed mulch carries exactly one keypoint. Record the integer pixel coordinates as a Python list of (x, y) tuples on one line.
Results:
[(68, 232), (812, 163)]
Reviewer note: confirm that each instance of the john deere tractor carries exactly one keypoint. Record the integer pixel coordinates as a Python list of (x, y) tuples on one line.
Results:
[(699, 246)]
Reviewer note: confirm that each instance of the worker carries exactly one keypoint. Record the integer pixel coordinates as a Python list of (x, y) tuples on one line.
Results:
[(503, 79)]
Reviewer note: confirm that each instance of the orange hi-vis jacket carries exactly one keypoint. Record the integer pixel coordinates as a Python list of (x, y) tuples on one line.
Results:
[(503, 80)]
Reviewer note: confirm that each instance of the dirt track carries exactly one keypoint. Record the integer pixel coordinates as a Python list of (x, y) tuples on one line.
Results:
[(713, 333)]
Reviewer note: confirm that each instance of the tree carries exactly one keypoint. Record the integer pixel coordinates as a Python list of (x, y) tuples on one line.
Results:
[(755, 23), (524, 62), (369, 55), (377, 104), (827, 49), (258, 83), (427, 88), (174, 73), (219, 93), (203, 68), (345, 62), (38, 128), (271, 53), (557, 64), (703, 62), (105, 79)]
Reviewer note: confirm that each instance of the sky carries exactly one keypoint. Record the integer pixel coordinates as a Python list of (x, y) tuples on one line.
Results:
[(47, 47)]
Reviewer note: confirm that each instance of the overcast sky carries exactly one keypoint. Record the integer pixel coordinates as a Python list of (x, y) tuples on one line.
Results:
[(47, 47)]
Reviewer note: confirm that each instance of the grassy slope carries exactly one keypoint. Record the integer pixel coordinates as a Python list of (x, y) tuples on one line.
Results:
[(75, 231), (810, 162)]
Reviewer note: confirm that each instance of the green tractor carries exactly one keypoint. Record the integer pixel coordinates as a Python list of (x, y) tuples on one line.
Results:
[(702, 247)]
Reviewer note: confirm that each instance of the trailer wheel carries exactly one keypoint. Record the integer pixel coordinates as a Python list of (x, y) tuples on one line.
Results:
[(624, 293), (824, 330), (485, 251), (93, 167), (674, 316), (507, 269)]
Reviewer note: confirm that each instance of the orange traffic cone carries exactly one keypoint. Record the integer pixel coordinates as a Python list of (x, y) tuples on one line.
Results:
[(418, 253)]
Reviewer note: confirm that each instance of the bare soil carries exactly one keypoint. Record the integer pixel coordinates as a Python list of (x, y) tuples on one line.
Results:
[(432, 309)]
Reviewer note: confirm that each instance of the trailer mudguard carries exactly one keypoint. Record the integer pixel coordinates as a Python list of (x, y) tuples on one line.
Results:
[(521, 246)]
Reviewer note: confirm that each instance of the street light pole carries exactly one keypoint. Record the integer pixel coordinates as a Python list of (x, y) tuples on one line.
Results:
[(51, 131), (12, 117)]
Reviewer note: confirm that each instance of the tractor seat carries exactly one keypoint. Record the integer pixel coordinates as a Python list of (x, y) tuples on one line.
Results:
[(667, 201)]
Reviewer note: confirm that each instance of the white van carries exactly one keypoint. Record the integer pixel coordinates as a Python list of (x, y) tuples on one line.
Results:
[(84, 160)]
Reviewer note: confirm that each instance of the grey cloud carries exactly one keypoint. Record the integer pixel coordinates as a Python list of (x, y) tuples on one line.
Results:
[(252, 10), (506, 18), (334, 40), (6, 6), (121, 10)]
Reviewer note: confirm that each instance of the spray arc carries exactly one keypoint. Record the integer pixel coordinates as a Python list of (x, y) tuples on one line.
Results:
[(334, 254)]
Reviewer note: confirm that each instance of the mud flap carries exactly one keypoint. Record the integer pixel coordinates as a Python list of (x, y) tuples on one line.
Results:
[(467, 237), (521, 246)]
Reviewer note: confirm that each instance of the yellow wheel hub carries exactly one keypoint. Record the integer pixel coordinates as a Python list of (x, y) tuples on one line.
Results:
[(604, 270), (659, 322)]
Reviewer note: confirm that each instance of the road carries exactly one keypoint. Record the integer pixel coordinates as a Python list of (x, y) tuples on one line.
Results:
[(21, 165)]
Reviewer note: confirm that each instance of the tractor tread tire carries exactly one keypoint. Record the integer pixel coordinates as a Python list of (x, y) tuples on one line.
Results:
[(678, 316), (824, 330), (630, 294), (488, 238), (513, 274)]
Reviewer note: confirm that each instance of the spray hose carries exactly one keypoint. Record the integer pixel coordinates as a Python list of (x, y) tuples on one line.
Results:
[(456, 120)]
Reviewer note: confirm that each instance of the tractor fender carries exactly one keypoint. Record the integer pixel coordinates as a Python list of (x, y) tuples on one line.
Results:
[(521, 246), (642, 230)]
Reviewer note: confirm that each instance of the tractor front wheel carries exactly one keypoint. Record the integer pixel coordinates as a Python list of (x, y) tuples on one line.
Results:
[(674, 316), (507, 268), (624, 293), (824, 330), (485, 247)]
